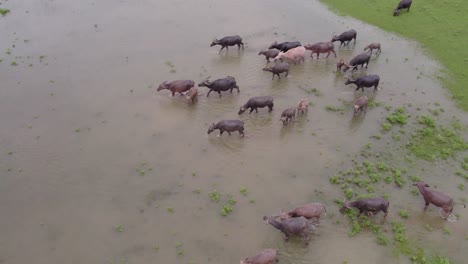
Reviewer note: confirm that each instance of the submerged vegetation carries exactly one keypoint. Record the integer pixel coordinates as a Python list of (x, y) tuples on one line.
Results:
[(426, 18), (4, 11)]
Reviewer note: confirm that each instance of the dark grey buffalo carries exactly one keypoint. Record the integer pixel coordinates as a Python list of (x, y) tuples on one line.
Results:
[(297, 226), (368, 206), (269, 54), (285, 46), (228, 126), (178, 86), (346, 36), (361, 59), (228, 41), (436, 198), (257, 102), (402, 5), (277, 69), (365, 81), (321, 47), (360, 105), (224, 84), (267, 256)]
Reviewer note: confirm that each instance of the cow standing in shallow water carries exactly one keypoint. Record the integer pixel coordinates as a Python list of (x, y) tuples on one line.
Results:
[(436, 198), (372, 47), (179, 86), (368, 206), (346, 36), (321, 47), (228, 41)]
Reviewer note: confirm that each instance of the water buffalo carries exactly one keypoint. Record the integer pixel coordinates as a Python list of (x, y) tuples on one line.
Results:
[(311, 210), (192, 95), (179, 86), (365, 81), (368, 206), (372, 47), (402, 5), (269, 54), (296, 54), (228, 41), (285, 46), (302, 106), (277, 69), (288, 115), (360, 105), (339, 64), (267, 256), (321, 47), (298, 226), (346, 36), (436, 198), (361, 59), (224, 84), (257, 102), (228, 126)]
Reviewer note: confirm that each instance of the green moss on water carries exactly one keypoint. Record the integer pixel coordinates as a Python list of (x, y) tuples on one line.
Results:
[(399, 116), (440, 26), (214, 196), (4, 11), (432, 143)]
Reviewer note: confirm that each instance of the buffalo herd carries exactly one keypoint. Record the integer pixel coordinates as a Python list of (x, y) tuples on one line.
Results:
[(302, 220)]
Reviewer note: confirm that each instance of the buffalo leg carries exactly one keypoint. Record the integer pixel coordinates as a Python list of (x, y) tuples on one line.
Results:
[(231, 90), (229, 132), (357, 89), (256, 110), (173, 93), (279, 77), (219, 92), (273, 76), (270, 107), (221, 131), (287, 73), (208, 93), (241, 132), (237, 87), (222, 47), (251, 110)]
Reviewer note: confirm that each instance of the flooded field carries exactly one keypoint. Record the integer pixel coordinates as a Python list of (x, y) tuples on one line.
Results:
[(98, 167)]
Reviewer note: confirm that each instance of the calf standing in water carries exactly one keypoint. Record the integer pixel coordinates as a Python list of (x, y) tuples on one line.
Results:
[(288, 115), (372, 47), (277, 69), (360, 105)]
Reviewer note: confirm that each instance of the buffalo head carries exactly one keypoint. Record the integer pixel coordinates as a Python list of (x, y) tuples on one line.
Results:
[(215, 42), (241, 110), (272, 46), (211, 128), (205, 82), (162, 86)]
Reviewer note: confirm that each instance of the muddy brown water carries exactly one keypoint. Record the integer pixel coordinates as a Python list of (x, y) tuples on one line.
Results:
[(80, 124)]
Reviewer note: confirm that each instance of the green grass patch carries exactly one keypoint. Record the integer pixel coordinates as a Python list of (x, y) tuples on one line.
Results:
[(440, 26), (4, 11), (432, 143)]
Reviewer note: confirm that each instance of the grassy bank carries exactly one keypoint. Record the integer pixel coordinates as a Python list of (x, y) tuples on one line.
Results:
[(440, 26)]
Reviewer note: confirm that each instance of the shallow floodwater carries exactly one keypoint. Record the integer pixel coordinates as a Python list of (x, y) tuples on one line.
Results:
[(98, 167)]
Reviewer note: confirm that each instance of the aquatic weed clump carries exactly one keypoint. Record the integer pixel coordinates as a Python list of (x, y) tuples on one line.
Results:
[(399, 116), (435, 142)]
